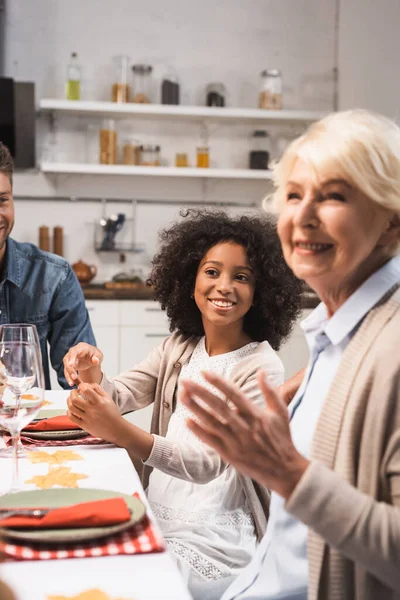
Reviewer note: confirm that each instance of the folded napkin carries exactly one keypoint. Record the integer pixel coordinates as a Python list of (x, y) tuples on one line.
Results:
[(98, 513), (60, 423)]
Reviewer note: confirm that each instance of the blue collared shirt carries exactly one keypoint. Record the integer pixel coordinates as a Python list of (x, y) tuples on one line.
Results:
[(41, 288), (279, 570)]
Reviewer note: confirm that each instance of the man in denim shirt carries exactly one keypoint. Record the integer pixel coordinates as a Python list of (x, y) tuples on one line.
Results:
[(38, 287)]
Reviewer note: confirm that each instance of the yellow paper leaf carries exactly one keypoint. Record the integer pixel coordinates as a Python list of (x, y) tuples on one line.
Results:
[(61, 476), (93, 594), (53, 458)]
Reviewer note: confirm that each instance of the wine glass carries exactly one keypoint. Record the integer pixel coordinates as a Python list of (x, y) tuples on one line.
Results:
[(21, 371), (18, 332)]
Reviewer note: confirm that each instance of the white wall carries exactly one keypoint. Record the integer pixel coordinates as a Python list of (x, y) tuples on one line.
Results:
[(228, 40), (369, 50)]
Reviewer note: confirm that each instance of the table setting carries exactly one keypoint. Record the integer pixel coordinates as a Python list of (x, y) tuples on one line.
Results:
[(73, 512)]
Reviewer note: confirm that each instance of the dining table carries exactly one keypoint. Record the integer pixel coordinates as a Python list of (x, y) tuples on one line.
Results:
[(111, 576)]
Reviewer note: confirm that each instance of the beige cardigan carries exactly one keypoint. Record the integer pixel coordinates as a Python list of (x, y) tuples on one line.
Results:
[(154, 380), (350, 495)]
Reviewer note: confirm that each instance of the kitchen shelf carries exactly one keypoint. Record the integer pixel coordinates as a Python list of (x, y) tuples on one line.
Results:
[(95, 169), (181, 112)]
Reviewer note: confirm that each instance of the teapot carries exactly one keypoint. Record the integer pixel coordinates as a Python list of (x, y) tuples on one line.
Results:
[(84, 272)]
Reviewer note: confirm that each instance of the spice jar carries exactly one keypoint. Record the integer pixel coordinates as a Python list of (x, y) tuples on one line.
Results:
[(130, 152), (142, 83), (215, 94), (271, 89), (150, 155), (203, 157), (108, 142), (259, 154), (181, 159), (120, 88)]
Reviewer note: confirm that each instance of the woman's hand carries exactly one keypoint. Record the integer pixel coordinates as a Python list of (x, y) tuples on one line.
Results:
[(94, 410), (83, 363), (254, 440)]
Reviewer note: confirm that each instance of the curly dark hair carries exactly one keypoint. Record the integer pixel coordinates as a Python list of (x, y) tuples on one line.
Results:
[(183, 245)]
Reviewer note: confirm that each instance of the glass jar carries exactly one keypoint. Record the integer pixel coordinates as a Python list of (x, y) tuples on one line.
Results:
[(120, 88), (215, 94), (150, 155), (271, 89), (142, 83), (181, 159), (130, 152), (203, 157), (108, 142), (259, 153)]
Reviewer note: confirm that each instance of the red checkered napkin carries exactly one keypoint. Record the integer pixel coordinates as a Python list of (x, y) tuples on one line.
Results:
[(141, 538)]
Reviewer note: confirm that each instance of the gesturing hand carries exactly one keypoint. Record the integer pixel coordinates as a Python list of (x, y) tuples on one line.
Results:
[(255, 440), (82, 363), (93, 409)]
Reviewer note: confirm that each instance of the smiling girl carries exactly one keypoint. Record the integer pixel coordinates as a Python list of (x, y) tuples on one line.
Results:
[(231, 301)]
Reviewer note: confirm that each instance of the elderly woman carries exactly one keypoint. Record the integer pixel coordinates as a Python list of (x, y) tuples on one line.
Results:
[(332, 460)]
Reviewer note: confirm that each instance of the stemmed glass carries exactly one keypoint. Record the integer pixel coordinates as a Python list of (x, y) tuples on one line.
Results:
[(21, 371), (18, 332)]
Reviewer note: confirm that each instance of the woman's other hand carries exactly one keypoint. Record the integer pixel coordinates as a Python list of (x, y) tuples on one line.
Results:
[(82, 363), (94, 410), (255, 440), (288, 389)]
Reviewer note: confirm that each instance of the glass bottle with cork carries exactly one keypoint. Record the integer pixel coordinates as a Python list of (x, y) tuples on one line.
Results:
[(73, 83)]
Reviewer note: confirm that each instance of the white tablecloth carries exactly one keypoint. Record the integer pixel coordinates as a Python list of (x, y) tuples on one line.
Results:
[(140, 577)]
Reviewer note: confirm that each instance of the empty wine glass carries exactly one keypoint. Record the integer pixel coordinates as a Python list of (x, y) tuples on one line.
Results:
[(21, 371), (18, 332)]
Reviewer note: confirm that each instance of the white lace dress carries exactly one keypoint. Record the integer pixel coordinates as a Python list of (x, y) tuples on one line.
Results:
[(208, 527)]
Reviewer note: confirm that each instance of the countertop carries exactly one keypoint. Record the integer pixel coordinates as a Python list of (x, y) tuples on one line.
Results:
[(100, 292), (142, 292)]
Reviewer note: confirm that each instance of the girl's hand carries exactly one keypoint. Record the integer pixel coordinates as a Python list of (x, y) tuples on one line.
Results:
[(94, 410), (82, 363), (255, 440)]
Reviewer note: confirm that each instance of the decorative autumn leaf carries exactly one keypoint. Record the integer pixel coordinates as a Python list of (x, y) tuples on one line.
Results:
[(53, 458), (94, 594), (61, 476)]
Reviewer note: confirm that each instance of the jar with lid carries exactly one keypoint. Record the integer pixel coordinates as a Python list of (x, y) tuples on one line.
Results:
[(108, 142), (271, 89), (142, 83), (120, 88), (181, 159), (259, 153), (215, 94), (203, 157), (150, 155), (130, 151)]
